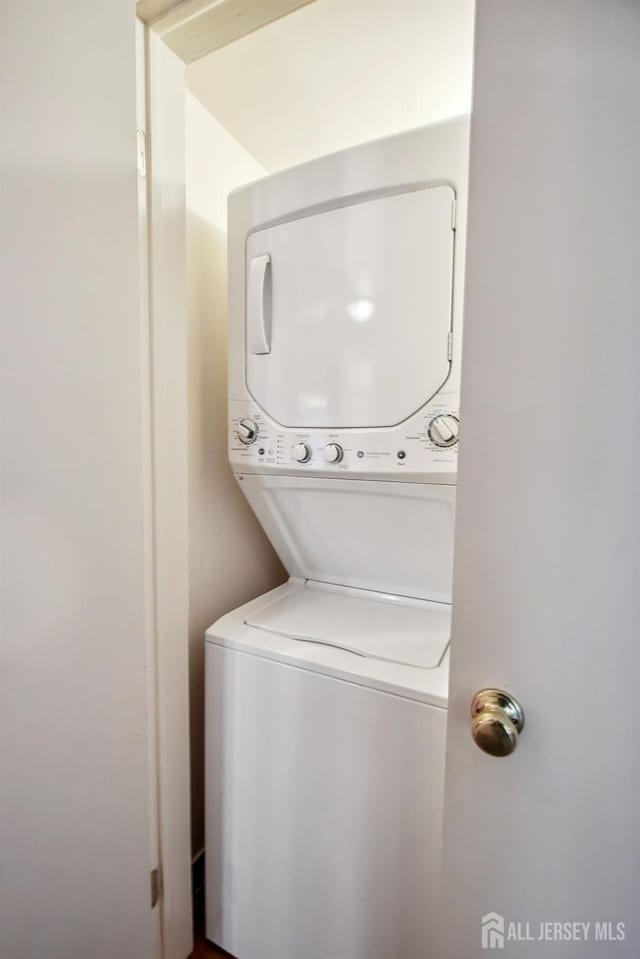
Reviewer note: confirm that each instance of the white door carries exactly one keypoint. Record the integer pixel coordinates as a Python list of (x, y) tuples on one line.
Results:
[(547, 577)]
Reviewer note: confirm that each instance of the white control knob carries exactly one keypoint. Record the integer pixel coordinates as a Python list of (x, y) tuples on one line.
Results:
[(301, 452), (444, 429), (333, 453), (247, 432)]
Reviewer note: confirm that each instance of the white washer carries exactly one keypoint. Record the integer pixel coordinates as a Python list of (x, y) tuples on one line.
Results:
[(326, 698), (324, 776)]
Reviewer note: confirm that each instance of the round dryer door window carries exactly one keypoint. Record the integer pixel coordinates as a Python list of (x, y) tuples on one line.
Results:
[(348, 311)]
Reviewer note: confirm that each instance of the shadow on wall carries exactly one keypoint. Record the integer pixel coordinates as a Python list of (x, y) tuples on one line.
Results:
[(231, 560)]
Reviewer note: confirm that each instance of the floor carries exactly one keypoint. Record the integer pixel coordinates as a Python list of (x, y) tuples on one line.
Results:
[(204, 950)]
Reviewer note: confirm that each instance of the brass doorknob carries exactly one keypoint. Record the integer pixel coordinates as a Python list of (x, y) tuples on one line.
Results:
[(497, 719)]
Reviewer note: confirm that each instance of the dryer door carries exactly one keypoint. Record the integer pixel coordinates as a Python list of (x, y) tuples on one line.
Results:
[(348, 311)]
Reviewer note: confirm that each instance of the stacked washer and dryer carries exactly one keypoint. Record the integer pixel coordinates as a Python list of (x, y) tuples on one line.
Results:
[(326, 698)]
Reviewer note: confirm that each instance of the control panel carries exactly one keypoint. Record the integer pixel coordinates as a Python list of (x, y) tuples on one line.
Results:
[(425, 446)]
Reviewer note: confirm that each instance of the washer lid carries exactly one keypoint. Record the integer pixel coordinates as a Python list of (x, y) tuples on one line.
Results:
[(348, 311), (411, 634)]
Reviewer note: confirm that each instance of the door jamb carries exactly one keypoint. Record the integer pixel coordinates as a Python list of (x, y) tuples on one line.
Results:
[(161, 164)]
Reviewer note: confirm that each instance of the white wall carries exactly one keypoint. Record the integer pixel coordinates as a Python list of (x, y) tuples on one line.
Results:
[(75, 858), (339, 72), (231, 560)]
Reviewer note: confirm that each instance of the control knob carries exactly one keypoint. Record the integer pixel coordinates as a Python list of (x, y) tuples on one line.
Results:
[(444, 429), (333, 453), (247, 432), (301, 452)]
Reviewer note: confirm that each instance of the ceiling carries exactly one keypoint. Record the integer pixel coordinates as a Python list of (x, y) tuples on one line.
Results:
[(339, 72)]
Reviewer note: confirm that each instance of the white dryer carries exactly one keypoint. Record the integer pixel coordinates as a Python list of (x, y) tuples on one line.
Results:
[(326, 698)]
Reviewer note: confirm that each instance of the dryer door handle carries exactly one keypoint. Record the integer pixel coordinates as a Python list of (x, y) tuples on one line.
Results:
[(259, 305)]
